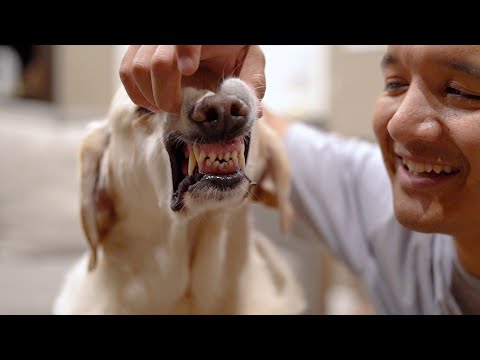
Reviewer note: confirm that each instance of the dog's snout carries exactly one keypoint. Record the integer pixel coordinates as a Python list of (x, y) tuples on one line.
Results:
[(220, 114)]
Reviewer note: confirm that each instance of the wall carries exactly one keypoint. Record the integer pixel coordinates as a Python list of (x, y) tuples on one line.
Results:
[(298, 80), (357, 81), (83, 79)]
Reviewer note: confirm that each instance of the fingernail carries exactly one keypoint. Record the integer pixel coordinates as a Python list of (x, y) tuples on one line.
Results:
[(185, 65)]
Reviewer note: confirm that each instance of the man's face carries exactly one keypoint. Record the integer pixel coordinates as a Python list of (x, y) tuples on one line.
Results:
[(427, 122)]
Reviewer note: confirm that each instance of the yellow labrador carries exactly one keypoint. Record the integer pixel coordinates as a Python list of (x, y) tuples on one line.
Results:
[(165, 208)]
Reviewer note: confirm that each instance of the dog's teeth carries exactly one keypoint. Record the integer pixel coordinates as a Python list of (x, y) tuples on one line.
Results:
[(196, 150), (208, 162), (212, 156), (235, 156), (216, 163), (227, 156), (201, 157), (241, 160), (192, 162), (220, 156)]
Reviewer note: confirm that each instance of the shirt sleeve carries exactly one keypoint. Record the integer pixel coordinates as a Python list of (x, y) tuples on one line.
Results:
[(342, 192), (466, 290), (340, 189)]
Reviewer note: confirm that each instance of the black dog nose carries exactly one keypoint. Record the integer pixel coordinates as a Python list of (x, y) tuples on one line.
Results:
[(220, 115)]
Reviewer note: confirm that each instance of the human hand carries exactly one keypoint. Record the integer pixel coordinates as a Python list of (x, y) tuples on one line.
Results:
[(154, 75)]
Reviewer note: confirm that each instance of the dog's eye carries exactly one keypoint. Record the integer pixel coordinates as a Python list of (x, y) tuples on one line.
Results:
[(142, 111)]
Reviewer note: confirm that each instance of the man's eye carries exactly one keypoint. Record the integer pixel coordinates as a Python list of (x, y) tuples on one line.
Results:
[(452, 91), (393, 85)]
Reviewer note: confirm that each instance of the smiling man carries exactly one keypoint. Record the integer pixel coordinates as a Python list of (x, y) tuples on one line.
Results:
[(427, 122), (404, 214)]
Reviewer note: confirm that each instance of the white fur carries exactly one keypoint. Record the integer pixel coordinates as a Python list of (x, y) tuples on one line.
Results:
[(206, 260)]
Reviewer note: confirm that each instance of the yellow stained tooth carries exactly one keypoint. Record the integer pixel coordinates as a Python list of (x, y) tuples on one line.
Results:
[(216, 163), (437, 168), (447, 169), (212, 156), (235, 155), (201, 157), (227, 156), (196, 149), (192, 162), (241, 159), (220, 156)]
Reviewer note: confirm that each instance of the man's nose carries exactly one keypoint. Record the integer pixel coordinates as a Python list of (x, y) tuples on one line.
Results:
[(417, 117)]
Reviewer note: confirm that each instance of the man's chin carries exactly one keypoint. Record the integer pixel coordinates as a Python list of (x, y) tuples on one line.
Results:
[(416, 216)]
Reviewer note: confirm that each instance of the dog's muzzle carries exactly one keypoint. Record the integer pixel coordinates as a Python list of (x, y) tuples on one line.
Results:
[(214, 155)]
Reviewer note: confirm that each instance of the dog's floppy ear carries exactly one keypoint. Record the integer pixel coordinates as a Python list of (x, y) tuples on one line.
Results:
[(96, 193), (273, 188)]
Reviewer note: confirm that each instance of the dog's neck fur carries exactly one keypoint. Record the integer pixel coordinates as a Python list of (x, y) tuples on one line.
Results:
[(210, 251)]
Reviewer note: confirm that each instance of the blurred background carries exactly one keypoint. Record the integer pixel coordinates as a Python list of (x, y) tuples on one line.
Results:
[(48, 93)]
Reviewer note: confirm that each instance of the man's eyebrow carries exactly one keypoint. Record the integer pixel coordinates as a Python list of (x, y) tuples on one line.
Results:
[(464, 67), (388, 59)]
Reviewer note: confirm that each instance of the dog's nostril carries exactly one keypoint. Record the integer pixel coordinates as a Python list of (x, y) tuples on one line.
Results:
[(211, 115), (235, 111), (238, 108)]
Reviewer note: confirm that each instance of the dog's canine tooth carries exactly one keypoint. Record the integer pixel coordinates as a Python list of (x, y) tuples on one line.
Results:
[(201, 157), (192, 162), (241, 160), (196, 150)]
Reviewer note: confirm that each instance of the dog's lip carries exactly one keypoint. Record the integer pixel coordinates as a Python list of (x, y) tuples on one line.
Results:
[(221, 182)]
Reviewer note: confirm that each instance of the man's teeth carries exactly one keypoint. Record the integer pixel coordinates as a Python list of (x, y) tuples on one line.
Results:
[(426, 168), (199, 158)]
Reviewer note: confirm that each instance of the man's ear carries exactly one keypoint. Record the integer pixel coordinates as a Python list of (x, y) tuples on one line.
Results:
[(97, 206), (273, 188)]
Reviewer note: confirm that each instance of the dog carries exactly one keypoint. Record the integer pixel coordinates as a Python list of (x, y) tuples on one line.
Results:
[(165, 206)]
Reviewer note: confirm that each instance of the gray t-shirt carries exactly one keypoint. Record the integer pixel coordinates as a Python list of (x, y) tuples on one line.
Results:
[(341, 190)]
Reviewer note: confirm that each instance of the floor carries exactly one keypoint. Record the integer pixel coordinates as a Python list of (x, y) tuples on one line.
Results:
[(40, 233)]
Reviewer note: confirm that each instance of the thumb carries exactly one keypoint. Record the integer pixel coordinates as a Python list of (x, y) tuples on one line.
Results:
[(253, 70)]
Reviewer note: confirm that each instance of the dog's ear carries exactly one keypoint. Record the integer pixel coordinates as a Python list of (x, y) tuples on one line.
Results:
[(273, 187), (96, 192)]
